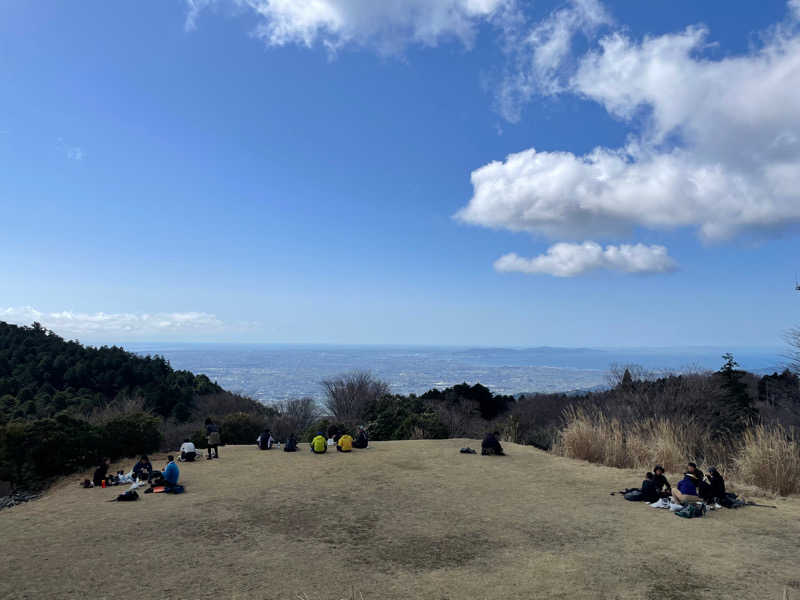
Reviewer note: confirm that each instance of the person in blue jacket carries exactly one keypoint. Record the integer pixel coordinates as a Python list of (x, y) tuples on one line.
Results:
[(169, 476), (687, 489)]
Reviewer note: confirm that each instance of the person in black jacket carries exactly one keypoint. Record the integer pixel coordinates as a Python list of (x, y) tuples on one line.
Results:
[(660, 482), (361, 440), (714, 489), (101, 473), (291, 444), (143, 469), (491, 445), (649, 490)]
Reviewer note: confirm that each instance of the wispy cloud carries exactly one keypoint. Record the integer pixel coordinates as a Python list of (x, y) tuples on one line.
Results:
[(71, 152), (570, 260), (386, 25), (69, 323)]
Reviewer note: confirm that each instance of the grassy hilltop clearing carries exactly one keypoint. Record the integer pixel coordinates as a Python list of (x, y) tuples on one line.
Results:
[(404, 519)]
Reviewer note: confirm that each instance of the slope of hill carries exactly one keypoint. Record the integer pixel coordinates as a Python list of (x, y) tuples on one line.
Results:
[(42, 374), (401, 520)]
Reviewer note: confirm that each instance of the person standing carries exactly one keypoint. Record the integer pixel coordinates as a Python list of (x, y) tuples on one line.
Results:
[(213, 438)]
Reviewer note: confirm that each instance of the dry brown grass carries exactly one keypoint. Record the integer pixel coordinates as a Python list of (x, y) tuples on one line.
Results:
[(401, 520), (769, 458)]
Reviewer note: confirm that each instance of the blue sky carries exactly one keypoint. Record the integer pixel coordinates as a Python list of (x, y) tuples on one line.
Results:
[(339, 171)]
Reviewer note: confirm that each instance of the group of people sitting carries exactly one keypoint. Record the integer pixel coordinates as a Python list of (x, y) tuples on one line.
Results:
[(344, 442), (141, 473), (693, 487)]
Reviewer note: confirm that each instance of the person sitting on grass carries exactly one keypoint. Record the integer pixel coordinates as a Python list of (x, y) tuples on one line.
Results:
[(188, 451), (697, 473), (213, 438), (319, 445), (143, 469), (169, 476), (101, 473), (714, 490), (362, 441), (687, 489), (662, 485), (649, 489), (491, 445), (265, 440), (291, 444), (345, 443)]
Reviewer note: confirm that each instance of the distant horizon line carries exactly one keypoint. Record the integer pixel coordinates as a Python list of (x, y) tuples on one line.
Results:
[(514, 347)]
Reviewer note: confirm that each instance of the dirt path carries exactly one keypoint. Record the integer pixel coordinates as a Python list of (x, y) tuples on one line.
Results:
[(400, 520)]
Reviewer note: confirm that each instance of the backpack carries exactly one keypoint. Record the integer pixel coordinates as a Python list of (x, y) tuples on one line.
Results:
[(730, 500), (128, 496), (691, 511), (175, 489), (634, 496)]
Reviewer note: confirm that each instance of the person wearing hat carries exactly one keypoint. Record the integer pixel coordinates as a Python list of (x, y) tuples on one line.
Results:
[(687, 489), (660, 482)]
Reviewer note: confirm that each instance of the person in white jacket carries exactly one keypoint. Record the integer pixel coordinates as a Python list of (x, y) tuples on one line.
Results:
[(188, 451)]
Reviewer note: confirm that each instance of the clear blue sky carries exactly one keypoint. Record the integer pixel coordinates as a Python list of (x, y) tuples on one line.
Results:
[(246, 176)]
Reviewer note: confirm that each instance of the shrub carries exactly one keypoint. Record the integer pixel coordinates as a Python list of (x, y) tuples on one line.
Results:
[(769, 458), (129, 435), (242, 428)]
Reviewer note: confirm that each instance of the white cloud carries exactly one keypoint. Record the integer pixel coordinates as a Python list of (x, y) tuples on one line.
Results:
[(715, 145), (537, 57), (71, 152), (569, 260), (388, 25), (68, 323)]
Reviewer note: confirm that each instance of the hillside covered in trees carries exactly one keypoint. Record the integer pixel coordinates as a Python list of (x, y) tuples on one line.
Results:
[(42, 375), (63, 405)]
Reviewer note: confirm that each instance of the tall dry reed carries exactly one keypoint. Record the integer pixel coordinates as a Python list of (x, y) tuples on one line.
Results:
[(769, 458), (766, 457)]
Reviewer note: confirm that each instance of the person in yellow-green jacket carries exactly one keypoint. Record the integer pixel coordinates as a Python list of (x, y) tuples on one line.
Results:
[(345, 443), (319, 445)]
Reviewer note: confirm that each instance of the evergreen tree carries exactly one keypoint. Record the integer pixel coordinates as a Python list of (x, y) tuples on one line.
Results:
[(737, 409)]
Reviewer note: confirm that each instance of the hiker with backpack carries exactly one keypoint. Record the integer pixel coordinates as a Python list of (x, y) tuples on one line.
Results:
[(291, 444), (188, 451), (213, 438), (265, 440), (491, 445), (361, 441), (319, 445)]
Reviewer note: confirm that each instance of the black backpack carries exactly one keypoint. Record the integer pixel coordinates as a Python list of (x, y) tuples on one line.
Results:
[(634, 496), (128, 496)]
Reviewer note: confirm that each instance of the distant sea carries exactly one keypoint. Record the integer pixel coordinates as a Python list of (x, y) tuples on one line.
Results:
[(270, 372)]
